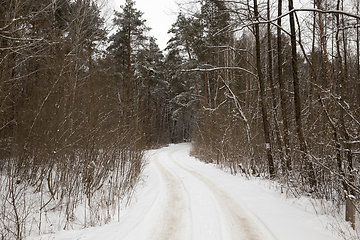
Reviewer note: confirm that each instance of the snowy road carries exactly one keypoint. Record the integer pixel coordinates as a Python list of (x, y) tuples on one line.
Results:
[(184, 199), (193, 205)]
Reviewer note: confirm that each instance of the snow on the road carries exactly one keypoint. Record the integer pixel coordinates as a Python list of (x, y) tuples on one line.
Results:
[(182, 199)]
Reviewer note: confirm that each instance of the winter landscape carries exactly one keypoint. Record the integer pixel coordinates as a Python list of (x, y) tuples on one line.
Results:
[(182, 198), (246, 125)]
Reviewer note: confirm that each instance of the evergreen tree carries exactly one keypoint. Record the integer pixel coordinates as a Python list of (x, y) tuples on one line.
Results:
[(129, 39), (187, 37)]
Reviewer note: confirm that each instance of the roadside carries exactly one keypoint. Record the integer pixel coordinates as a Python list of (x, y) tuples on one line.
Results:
[(182, 198)]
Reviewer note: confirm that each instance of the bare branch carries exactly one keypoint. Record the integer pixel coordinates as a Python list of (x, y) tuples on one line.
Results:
[(219, 68)]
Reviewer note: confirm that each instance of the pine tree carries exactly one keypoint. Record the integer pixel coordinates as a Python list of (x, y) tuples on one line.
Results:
[(130, 36)]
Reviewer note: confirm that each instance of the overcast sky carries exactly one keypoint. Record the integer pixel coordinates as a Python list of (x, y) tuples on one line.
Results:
[(159, 14)]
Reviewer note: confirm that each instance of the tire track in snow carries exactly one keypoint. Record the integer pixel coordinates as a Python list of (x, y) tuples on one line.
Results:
[(238, 222), (172, 223)]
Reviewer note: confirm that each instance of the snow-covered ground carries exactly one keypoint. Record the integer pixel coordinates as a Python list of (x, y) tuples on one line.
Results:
[(182, 199)]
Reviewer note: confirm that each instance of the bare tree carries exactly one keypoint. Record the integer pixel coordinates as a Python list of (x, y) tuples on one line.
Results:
[(262, 94)]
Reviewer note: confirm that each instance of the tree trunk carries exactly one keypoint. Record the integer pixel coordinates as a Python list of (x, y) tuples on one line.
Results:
[(297, 101), (278, 136), (283, 93), (323, 45), (262, 95), (342, 68)]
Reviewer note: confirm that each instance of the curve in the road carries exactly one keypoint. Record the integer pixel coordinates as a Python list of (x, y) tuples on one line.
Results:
[(235, 220)]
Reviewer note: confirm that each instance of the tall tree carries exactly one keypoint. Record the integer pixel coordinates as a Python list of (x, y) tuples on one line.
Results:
[(297, 100), (263, 94), (129, 38), (283, 92)]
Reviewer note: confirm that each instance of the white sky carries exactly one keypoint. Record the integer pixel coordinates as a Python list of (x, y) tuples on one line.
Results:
[(159, 14)]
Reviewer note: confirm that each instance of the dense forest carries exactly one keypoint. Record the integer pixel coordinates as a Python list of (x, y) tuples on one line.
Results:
[(264, 88)]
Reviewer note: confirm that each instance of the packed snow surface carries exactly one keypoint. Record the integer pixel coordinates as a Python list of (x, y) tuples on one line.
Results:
[(184, 199)]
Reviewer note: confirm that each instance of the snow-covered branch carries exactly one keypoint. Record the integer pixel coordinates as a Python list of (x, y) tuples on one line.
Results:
[(219, 68), (299, 10)]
